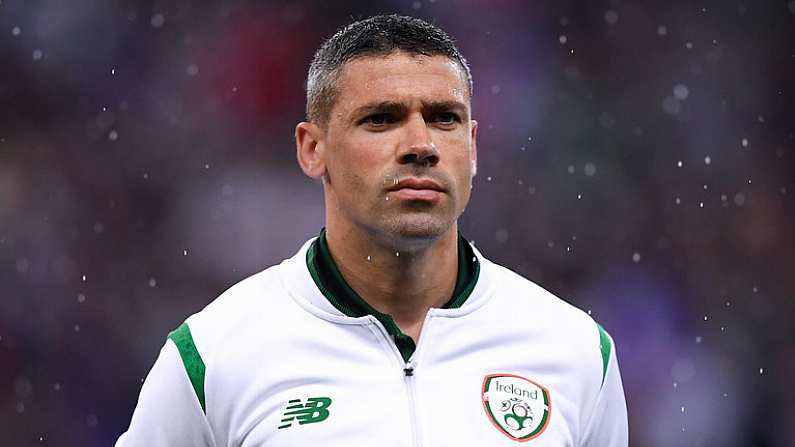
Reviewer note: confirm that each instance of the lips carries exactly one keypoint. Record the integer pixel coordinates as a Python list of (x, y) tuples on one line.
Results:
[(418, 189), (417, 184)]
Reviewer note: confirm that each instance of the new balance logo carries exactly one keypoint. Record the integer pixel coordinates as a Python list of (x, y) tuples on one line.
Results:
[(314, 410)]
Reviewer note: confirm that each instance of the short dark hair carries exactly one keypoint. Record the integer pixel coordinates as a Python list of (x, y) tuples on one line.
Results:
[(375, 36)]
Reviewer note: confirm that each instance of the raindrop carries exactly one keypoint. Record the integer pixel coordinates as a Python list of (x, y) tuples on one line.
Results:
[(611, 17), (84, 278), (37, 54), (397, 253), (662, 30), (682, 409), (570, 169), (113, 71), (706, 318), (681, 92), (689, 45), (16, 31), (761, 370), (77, 328), (744, 142), (739, 199), (671, 105), (636, 257), (579, 196), (157, 20), (590, 169), (707, 160), (113, 135), (185, 252), (192, 70), (698, 339), (368, 258), (152, 282), (678, 200), (81, 298), (679, 164), (562, 39)]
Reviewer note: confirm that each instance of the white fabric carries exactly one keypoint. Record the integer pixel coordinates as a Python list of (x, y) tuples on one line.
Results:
[(274, 337)]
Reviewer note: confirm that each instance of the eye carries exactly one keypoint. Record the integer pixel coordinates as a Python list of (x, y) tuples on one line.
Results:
[(378, 119), (446, 118)]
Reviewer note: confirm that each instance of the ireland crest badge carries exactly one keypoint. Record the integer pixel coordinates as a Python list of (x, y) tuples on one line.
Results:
[(519, 408)]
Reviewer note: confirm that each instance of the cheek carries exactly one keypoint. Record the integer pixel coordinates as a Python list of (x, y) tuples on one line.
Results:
[(358, 167)]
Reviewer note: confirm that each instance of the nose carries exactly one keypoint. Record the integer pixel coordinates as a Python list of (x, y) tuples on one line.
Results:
[(418, 147)]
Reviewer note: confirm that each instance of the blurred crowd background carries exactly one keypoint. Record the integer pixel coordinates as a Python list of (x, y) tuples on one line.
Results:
[(637, 158)]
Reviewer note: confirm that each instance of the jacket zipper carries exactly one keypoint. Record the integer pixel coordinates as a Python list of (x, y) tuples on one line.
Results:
[(408, 379), (409, 370)]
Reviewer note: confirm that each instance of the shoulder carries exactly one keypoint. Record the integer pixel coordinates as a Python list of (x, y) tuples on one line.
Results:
[(555, 326), (251, 303), (529, 298)]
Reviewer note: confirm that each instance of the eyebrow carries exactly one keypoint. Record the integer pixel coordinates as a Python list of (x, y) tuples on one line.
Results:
[(399, 107)]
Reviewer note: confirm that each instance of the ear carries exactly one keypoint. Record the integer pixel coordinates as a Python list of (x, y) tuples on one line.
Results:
[(309, 148), (473, 155)]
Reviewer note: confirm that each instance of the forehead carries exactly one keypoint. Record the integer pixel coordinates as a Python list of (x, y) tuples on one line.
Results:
[(399, 77)]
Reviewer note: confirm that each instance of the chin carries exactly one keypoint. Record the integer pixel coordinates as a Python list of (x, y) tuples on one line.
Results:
[(415, 232)]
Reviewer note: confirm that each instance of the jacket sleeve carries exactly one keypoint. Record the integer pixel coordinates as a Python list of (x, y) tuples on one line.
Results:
[(170, 409), (607, 425)]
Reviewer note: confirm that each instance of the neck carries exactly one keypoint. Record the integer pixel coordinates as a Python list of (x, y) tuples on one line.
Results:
[(403, 284)]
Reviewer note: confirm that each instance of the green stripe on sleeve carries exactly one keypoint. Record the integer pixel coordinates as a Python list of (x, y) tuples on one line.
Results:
[(605, 345), (194, 365)]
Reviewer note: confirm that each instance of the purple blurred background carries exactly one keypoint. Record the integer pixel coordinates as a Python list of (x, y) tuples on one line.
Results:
[(637, 158)]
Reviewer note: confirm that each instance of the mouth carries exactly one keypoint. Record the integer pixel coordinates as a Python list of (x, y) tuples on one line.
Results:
[(415, 189)]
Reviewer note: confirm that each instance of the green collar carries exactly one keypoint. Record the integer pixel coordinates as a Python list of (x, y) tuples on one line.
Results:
[(329, 280)]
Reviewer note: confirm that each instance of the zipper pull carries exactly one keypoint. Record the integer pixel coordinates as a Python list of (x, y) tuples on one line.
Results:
[(409, 369)]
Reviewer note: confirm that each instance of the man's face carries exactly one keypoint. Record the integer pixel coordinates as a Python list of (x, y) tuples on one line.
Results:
[(399, 147)]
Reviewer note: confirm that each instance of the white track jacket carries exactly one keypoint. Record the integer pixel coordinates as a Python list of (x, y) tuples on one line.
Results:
[(289, 358)]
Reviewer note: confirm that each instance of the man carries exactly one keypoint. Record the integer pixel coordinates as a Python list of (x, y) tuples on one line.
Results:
[(389, 328)]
